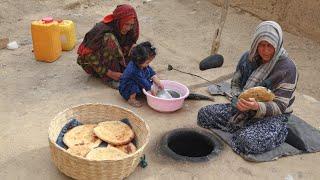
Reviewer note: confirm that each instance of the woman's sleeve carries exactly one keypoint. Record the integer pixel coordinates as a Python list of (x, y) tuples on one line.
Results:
[(235, 83), (112, 54), (284, 81), (237, 76)]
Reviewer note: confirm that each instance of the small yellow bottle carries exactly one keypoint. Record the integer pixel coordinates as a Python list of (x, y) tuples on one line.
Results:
[(67, 34), (46, 39)]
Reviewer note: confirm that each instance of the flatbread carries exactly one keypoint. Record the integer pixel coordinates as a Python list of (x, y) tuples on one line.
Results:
[(81, 150), (105, 153), (259, 93), (82, 135), (114, 132), (127, 148)]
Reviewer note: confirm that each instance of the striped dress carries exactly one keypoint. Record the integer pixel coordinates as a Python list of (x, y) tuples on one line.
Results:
[(265, 128)]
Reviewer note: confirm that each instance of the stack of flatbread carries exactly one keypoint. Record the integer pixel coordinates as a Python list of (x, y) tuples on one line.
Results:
[(84, 140)]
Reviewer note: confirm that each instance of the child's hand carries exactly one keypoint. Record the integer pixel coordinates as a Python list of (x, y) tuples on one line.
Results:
[(153, 92), (160, 85)]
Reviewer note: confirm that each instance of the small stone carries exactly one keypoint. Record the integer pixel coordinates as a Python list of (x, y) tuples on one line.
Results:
[(3, 42), (12, 45)]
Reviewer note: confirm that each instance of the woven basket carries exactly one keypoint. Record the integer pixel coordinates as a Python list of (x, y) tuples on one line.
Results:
[(81, 168)]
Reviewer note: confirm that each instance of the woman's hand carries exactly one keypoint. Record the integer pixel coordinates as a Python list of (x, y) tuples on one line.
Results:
[(114, 75), (244, 105), (117, 76)]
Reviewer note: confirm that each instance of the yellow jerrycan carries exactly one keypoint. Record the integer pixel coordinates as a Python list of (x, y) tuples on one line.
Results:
[(67, 34), (46, 39)]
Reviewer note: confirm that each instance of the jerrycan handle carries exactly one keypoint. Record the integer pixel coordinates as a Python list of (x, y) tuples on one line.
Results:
[(59, 20), (47, 20)]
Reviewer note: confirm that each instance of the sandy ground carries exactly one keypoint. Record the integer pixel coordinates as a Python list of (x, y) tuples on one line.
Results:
[(34, 92)]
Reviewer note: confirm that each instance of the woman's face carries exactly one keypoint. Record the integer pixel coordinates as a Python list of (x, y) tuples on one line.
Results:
[(127, 26), (266, 51)]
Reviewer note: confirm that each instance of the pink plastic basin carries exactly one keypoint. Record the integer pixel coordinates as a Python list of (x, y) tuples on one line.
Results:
[(168, 105)]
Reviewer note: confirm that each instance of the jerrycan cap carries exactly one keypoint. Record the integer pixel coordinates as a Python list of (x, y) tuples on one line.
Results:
[(47, 19)]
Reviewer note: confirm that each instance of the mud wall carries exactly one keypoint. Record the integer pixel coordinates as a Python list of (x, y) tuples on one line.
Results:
[(300, 17)]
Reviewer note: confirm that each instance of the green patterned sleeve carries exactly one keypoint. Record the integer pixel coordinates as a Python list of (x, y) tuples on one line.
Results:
[(112, 54)]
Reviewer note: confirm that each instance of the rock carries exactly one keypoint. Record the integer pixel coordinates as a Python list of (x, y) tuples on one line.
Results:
[(212, 61), (12, 45), (3, 42)]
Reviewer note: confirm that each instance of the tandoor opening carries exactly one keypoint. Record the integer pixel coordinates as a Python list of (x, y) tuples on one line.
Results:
[(190, 144)]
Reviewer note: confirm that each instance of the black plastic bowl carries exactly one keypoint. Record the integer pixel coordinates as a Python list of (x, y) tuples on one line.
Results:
[(210, 62)]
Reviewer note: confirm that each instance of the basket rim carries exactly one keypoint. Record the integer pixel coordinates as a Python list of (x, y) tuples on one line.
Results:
[(103, 104)]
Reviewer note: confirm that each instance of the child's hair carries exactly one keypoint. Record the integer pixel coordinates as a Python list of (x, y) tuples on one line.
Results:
[(142, 52)]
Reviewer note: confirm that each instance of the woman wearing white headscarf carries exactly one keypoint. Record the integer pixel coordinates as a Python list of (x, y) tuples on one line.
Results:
[(265, 64)]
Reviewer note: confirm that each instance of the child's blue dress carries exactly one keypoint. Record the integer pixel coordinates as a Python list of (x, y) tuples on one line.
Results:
[(134, 79)]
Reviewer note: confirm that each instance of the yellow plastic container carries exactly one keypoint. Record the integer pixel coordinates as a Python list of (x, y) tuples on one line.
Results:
[(46, 40), (67, 34)]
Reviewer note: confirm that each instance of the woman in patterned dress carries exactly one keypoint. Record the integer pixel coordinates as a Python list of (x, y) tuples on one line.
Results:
[(106, 47), (265, 64)]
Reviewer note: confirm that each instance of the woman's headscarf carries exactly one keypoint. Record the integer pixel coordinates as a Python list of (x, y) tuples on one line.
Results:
[(111, 23), (271, 32), (121, 15)]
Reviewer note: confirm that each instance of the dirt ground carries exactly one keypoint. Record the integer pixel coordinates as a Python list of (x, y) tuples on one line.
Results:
[(32, 92)]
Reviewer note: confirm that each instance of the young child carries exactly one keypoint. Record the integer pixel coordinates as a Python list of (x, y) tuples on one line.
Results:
[(138, 74)]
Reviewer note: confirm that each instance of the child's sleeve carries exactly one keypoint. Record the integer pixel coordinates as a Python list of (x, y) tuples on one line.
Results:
[(151, 71), (143, 82)]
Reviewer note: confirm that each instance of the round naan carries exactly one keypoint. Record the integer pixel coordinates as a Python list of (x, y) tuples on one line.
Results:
[(127, 148), (105, 153), (259, 93), (82, 135), (114, 132), (81, 150)]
